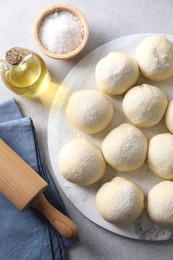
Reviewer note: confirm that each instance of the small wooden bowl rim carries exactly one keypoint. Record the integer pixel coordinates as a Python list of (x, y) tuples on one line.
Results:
[(58, 8)]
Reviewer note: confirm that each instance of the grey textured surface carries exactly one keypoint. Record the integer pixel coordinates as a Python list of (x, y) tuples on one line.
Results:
[(107, 20)]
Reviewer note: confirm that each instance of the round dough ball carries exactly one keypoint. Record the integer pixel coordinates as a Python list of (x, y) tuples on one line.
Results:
[(125, 148), (120, 201), (116, 73), (145, 105), (89, 111), (155, 58), (169, 116), (160, 155), (160, 203), (81, 162)]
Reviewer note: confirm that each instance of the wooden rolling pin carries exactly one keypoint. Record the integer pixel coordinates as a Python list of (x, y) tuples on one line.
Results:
[(24, 187)]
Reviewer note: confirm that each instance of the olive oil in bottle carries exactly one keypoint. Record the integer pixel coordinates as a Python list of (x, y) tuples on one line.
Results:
[(23, 71)]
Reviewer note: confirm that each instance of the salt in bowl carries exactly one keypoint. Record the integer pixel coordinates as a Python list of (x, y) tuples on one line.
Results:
[(56, 9)]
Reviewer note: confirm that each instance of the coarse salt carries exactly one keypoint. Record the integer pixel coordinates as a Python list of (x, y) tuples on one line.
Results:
[(61, 32)]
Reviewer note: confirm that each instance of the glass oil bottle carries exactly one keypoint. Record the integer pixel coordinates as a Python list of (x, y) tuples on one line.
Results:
[(23, 71)]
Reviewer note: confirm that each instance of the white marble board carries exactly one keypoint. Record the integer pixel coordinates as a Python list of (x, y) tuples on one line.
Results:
[(60, 132)]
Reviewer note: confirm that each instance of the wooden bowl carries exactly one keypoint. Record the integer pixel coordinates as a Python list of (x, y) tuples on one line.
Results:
[(58, 8)]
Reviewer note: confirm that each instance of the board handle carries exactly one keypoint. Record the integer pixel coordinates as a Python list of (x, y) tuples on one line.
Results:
[(65, 226)]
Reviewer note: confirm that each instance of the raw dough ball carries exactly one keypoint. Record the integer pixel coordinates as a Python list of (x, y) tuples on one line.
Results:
[(81, 162), (120, 201), (125, 148), (145, 105), (155, 58), (160, 203), (116, 73), (160, 155), (89, 111), (169, 116)]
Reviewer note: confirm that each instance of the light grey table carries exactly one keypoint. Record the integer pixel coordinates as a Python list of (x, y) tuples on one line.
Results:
[(108, 19)]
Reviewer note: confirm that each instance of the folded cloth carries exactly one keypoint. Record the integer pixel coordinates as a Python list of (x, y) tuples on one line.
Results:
[(27, 235)]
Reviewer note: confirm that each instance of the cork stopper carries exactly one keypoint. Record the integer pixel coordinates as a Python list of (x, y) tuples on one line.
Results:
[(13, 56)]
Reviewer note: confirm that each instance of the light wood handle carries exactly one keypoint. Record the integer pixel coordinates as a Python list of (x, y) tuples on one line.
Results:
[(60, 222)]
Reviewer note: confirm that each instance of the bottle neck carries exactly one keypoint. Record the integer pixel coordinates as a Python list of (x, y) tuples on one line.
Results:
[(15, 59)]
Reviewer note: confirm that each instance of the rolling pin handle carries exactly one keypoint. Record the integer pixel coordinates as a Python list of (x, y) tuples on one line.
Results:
[(59, 221)]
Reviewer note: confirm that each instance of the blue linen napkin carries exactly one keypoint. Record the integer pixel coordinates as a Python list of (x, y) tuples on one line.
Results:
[(27, 235)]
